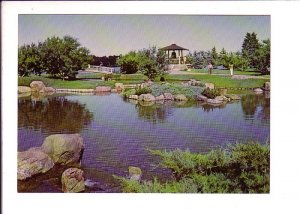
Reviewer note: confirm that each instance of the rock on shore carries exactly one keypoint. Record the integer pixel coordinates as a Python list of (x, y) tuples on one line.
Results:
[(33, 161), (64, 149), (72, 180)]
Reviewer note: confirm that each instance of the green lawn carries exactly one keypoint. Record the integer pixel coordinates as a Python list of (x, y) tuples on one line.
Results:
[(216, 71), (218, 80), (58, 83)]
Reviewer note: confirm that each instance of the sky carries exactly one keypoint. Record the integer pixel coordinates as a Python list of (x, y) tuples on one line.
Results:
[(119, 34)]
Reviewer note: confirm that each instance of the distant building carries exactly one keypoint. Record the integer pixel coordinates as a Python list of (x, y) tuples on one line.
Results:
[(175, 54)]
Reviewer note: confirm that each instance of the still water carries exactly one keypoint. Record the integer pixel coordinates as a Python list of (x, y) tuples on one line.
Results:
[(118, 132)]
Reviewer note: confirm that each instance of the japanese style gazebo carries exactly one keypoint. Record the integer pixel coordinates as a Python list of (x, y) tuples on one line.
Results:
[(175, 54)]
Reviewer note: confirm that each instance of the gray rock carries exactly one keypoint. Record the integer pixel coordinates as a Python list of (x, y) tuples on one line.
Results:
[(214, 101), (147, 98), (233, 96), (33, 161), (168, 96), (222, 98), (24, 89), (100, 89), (180, 97), (201, 98), (133, 97), (135, 173), (72, 180), (37, 86), (258, 91), (209, 85), (267, 86), (114, 90), (64, 149), (160, 97)]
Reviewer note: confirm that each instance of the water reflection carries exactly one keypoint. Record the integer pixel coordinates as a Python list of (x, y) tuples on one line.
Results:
[(55, 114), (258, 105), (154, 113)]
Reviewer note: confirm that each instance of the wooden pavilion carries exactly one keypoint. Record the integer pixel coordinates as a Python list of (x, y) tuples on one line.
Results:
[(175, 54)]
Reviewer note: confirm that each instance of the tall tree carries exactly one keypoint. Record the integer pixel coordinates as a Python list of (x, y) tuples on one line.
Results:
[(64, 57), (261, 57), (214, 56), (29, 60), (250, 45)]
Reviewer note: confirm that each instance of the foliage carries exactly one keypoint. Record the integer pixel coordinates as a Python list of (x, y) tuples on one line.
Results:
[(128, 92), (145, 90), (29, 57), (189, 91), (108, 61), (242, 168), (261, 58), (129, 63), (55, 56), (162, 79), (249, 47), (108, 76), (211, 93)]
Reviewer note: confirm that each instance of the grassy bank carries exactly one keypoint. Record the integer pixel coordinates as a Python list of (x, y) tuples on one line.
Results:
[(243, 168), (219, 81), (93, 80), (58, 83), (226, 72)]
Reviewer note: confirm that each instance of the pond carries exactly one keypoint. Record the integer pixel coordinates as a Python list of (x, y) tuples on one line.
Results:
[(117, 133)]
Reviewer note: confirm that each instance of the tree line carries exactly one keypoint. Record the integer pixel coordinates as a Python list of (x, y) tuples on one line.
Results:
[(254, 55)]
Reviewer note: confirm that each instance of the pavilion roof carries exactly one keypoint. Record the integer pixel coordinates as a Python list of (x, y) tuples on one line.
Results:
[(173, 47)]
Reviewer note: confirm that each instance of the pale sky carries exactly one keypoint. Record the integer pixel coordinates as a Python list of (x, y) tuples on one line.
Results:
[(118, 34)]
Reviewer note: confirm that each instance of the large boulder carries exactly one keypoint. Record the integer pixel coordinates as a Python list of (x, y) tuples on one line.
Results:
[(233, 96), (267, 86), (101, 89), (64, 149), (160, 97), (147, 98), (180, 97), (201, 98), (168, 96), (72, 180), (135, 173), (24, 89), (209, 85), (119, 86), (37, 86), (33, 161)]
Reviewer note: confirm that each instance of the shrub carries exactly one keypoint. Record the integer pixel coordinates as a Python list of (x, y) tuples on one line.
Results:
[(129, 92), (108, 76), (242, 168), (162, 79), (145, 90), (211, 93)]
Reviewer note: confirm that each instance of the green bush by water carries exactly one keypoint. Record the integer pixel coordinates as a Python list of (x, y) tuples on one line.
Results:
[(211, 93), (242, 168)]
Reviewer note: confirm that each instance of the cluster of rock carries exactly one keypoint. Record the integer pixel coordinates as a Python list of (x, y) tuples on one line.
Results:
[(219, 99), (60, 149), (266, 87), (37, 87), (164, 96)]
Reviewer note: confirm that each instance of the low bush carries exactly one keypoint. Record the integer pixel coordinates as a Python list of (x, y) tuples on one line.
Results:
[(128, 92), (145, 90), (189, 91), (211, 93), (162, 79), (242, 168)]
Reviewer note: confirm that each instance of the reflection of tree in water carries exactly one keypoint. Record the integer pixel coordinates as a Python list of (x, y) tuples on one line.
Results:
[(55, 114), (154, 113), (252, 102)]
